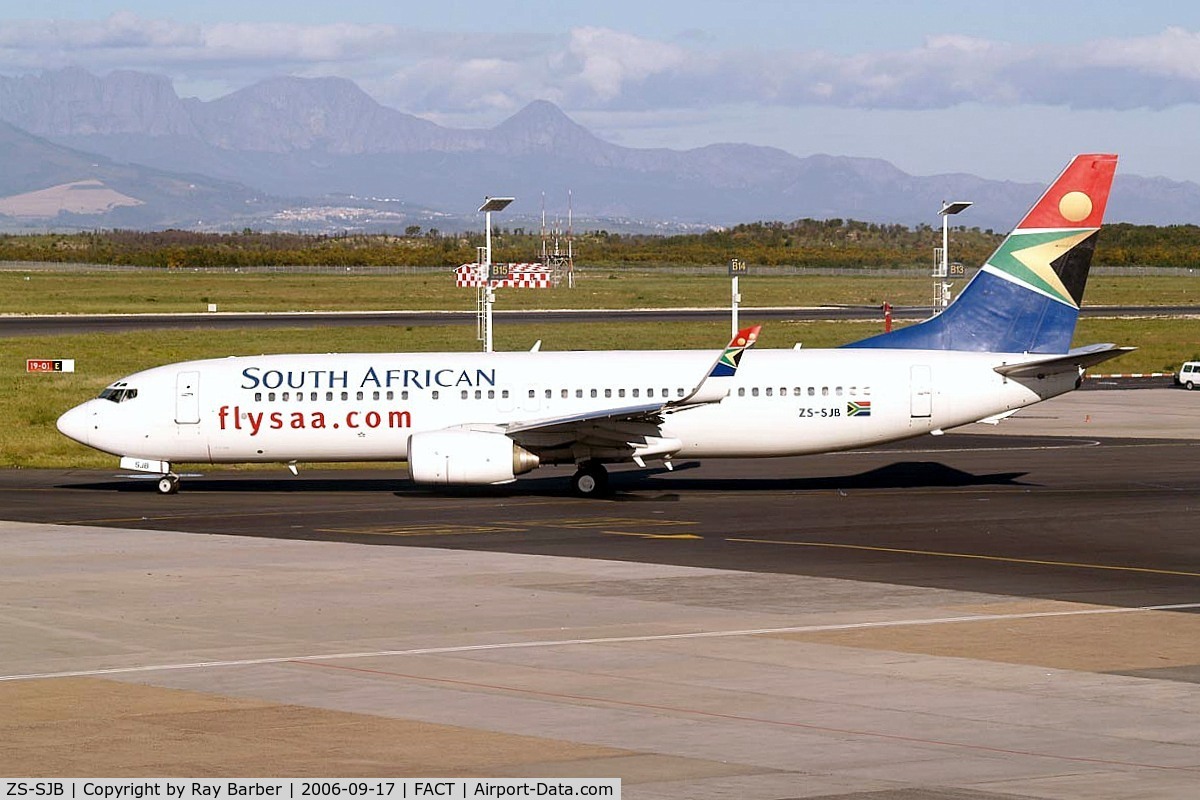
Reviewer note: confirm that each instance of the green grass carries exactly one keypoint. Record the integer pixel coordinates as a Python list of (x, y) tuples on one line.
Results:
[(38, 292), (30, 404)]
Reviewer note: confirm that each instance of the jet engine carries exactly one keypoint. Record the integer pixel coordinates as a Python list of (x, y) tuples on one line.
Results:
[(463, 456)]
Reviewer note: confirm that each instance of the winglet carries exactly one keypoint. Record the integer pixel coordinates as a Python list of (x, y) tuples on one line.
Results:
[(716, 383)]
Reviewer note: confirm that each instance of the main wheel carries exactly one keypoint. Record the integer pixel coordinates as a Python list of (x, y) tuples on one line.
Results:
[(1190, 386), (591, 480), (168, 484)]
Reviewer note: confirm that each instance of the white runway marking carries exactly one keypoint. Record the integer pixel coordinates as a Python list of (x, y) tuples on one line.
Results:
[(663, 637)]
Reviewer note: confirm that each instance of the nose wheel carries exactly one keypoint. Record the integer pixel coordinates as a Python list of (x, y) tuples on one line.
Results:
[(168, 484), (591, 480)]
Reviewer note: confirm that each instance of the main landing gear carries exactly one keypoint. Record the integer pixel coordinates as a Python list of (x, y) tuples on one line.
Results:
[(168, 484), (591, 480)]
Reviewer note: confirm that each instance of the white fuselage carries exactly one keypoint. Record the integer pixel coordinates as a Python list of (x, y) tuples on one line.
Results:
[(361, 407)]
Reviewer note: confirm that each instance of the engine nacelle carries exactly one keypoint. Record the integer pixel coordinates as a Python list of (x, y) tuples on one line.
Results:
[(458, 456)]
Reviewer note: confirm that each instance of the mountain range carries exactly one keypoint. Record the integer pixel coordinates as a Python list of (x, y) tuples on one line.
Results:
[(321, 154)]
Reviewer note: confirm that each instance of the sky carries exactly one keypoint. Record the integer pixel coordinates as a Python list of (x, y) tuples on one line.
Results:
[(1004, 90)]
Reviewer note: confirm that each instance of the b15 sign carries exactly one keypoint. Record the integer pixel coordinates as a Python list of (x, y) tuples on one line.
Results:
[(49, 365)]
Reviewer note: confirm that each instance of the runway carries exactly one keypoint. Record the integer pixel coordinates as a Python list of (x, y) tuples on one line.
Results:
[(61, 324), (977, 615)]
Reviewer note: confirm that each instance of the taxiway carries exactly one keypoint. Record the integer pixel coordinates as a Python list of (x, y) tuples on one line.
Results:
[(992, 613)]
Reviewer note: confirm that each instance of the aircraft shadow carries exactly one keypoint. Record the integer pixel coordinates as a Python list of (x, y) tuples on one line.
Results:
[(626, 485)]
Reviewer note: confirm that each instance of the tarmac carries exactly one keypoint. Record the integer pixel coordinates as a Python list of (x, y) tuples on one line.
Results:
[(1005, 612)]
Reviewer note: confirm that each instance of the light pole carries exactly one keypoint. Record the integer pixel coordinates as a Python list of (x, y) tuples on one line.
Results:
[(487, 294), (941, 267)]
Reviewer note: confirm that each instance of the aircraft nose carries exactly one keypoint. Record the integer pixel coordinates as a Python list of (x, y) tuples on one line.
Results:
[(77, 423)]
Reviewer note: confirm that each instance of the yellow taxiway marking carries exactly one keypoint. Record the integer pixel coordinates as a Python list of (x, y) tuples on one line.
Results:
[(654, 535), (427, 530), (605, 522), (977, 556)]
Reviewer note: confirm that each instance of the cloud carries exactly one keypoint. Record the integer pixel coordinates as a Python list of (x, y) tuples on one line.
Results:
[(601, 69)]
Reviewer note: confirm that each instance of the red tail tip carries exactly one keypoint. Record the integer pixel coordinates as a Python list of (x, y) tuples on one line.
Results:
[(1078, 198)]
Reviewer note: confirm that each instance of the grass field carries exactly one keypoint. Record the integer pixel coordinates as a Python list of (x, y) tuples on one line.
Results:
[(30, 404), (175, 292)]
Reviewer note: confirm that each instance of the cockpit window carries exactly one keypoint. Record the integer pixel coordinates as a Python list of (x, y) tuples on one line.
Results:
[(118, 393)]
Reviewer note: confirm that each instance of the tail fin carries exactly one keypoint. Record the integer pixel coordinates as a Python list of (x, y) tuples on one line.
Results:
[(1026, 297)]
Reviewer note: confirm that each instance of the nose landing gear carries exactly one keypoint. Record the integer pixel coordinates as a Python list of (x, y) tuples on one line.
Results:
[(168, 484)]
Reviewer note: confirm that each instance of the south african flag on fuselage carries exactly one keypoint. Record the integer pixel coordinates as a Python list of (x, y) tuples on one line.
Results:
[(862, 408)]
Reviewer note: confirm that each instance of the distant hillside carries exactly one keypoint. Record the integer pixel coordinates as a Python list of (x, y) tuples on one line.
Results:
[(41, 181), (313, 138)]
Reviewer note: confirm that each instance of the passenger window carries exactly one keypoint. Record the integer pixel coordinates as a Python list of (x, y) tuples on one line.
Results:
[(345, 395), (594, 393), (328, 396), (838, 391), (504, 394), (649, 393), (464, 394), (258, 397), (812, 390), (754, 392), (608, 392), (270, 397), (579, 393), (491, 394), (478, 394), (824, 391), (770, 392), (375, 395), (390, 395), (866, 391), (531, 394), (741, 391), (564, 394), (635, 392), (285, 396), (434, 394), (359, 396), (312, 396), (620, 392), (549, 394)]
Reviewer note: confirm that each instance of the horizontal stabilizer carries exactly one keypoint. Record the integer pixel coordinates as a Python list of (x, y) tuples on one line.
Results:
[(1078, 359)]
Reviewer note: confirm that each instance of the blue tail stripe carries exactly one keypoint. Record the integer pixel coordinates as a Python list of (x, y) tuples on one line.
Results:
[(992, 314)]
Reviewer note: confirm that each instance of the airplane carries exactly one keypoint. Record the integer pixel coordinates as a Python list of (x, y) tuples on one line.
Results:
[(485, 418)]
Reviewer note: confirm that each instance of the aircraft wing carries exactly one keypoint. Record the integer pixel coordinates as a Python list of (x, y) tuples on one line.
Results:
[(633, 429), (647, 412), (1078, 359)]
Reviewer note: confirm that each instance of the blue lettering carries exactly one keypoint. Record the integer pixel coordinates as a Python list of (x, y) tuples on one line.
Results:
[(251, 381), (411, 379), (272, 379), (442, 381), (370, 378), (485, 376)]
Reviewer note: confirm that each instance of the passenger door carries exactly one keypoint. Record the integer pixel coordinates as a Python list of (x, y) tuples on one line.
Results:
[(187, 398)]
